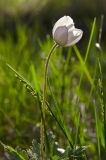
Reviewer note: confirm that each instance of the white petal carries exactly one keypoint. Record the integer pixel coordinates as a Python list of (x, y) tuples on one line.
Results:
[(60, 35), (61, 150), (64, 21), (74, 36)]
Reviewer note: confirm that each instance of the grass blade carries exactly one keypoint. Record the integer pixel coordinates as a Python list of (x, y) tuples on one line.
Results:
[(84, 66)]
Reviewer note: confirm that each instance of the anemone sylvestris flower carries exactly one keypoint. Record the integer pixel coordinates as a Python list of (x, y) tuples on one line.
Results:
[(64, 32)]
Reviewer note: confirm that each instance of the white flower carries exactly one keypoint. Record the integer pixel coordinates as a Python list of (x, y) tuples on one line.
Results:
[(65, 33)]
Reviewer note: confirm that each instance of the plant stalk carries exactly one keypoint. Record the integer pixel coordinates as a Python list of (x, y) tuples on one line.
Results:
[(44, 103)]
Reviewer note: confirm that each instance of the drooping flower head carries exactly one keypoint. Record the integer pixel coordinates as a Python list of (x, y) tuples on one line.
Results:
[(64, 32)]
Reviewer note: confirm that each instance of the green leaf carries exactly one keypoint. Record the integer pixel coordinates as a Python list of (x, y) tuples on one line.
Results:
[(11, 153)]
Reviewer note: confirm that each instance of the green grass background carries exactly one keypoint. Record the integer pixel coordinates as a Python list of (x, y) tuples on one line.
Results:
[(75, 94)]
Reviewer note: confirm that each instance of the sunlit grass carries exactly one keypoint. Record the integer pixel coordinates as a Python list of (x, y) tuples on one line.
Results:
[(75, 96)]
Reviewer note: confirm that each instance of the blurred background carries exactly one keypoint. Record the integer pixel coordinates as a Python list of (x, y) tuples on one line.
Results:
[(25, 39), (41, 15)]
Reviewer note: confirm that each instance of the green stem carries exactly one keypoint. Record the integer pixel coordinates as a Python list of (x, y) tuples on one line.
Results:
[(44, 103)]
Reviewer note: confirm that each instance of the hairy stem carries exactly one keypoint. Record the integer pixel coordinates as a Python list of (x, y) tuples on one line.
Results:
[(44, 103)]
